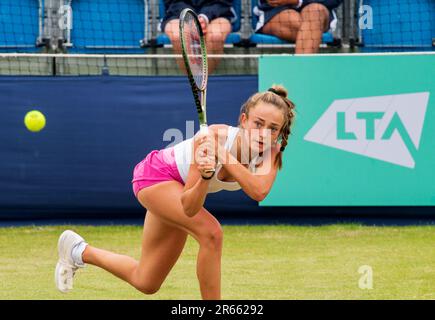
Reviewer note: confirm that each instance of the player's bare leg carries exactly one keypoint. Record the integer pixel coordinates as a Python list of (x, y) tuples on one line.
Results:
[(165, 232), (162, 244), (161, 200)]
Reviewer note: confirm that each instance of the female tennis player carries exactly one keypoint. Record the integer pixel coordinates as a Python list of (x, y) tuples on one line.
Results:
[(172, 184)]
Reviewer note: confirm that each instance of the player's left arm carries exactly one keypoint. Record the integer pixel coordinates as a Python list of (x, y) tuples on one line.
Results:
[(256, 185)]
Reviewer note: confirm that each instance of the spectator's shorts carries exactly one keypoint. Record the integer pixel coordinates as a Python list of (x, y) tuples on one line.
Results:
[(174, 10), (264, 16)]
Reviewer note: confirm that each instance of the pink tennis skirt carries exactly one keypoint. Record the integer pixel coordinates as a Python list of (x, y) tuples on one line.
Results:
[(158, 166)]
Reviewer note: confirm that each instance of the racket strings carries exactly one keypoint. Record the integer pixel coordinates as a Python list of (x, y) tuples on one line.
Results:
[(194, 50)]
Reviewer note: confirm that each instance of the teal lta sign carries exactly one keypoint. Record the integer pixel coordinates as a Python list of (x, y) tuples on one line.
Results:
[(364, 133)]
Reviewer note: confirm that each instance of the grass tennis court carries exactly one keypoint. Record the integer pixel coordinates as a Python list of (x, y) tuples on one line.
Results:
[(259, 262)]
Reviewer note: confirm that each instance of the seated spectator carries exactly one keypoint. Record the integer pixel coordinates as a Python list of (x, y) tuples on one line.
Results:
[(215, 17), (300, 21)]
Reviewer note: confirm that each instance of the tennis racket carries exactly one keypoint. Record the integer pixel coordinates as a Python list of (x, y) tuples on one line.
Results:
[(195, 60)]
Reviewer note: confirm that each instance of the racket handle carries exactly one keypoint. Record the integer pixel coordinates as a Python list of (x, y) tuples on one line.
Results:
[(203, 128)]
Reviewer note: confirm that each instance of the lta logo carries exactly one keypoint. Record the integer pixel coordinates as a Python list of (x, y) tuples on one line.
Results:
[(386, 128)]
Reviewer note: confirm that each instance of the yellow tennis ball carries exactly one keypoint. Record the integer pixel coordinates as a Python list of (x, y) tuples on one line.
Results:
[(34, 121)]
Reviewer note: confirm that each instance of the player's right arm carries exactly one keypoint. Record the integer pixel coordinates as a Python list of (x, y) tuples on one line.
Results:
[(195, 189)]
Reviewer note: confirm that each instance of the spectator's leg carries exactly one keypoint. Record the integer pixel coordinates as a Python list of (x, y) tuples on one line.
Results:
[(173, 32), (284, 25), (217, 32), (315, 19)]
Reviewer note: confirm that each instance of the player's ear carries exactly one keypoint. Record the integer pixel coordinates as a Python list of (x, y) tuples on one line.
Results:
[(243, 120)]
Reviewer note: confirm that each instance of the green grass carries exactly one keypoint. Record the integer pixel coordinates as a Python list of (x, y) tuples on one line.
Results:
[(259, 262)]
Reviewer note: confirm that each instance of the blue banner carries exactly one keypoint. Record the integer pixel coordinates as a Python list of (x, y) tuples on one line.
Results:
[(97, 129)]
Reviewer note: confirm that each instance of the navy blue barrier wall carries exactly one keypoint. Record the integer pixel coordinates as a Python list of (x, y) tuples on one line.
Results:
[(98, 128)]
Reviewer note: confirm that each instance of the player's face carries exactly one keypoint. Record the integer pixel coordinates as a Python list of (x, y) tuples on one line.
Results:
[(263, 126)]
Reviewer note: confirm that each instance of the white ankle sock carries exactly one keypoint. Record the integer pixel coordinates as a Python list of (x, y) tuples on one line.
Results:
[(77, 253)]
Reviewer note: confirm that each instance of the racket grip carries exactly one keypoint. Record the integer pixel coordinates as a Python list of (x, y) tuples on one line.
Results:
[(203, 128)]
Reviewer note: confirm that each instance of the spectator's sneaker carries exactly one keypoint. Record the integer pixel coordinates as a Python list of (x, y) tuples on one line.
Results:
[(66, 267)]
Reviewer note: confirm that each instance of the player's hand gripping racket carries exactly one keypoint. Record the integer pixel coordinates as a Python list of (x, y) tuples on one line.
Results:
[(195, 60)]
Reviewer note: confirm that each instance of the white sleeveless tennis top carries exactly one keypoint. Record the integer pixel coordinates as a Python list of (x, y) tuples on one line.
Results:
[(183, 157)]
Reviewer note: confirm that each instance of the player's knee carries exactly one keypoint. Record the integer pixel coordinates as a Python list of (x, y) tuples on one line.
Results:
[(147, 287), (212, 237)]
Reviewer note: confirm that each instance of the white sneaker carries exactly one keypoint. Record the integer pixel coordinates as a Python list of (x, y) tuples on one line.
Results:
[(66, 267)]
